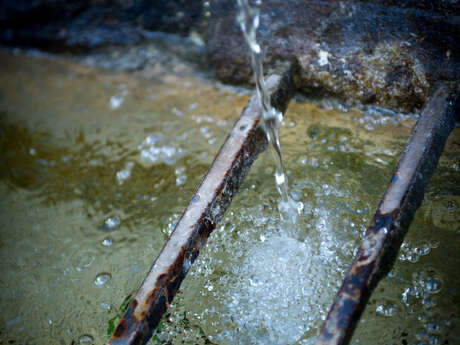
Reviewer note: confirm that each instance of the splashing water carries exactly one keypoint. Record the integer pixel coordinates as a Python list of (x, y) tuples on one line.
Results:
[(248, 18)]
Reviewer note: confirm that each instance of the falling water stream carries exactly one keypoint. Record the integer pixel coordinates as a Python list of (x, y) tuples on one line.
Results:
[(248, 18)]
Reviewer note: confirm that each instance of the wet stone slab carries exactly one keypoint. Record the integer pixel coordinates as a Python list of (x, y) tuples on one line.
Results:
[(387, 53)]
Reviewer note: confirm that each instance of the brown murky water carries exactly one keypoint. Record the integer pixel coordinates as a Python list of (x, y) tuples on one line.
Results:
[(97, 166)]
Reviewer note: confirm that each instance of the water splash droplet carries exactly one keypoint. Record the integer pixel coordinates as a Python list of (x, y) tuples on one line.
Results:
[(279, 178)]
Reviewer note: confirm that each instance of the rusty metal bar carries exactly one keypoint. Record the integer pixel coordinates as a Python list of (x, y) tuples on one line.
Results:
[(206, 208), (404, 194)]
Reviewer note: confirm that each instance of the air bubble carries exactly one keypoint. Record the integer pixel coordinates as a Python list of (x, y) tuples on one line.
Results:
[(450, 205), (107, 242), (432, 328), (86, 339), (116, 101), (385, 310), (124, 174), (433, 340), (102, 279), (433, 285), (111, 224)]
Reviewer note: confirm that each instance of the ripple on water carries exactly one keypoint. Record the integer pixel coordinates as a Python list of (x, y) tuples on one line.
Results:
[(83, 259)]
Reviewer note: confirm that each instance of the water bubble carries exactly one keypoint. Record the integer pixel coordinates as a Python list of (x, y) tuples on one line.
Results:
[(303, 161), (124, 174), (205, 132), (102, 279), (177, 112), (107, 242), (152, 151), (432, 327), (111, 224), (421, 335), (433, 285), (180, 180), (300, 207), (385, 310), (106, 306), (296, 195), (450, 205), (434, 244), (428, 304), (181, 177), (433, 340), (368, 127), (85, 339), (83, 260), (421, 318), (423, 250), (116, 101)]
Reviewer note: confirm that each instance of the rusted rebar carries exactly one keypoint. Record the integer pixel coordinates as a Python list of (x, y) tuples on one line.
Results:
[(377, 253), (206, 208)]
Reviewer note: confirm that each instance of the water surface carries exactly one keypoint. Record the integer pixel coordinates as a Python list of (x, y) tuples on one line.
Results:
[(96, 167)]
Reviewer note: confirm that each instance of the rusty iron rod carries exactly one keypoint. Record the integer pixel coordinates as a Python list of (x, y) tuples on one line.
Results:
[(206, 208), (404, 194)]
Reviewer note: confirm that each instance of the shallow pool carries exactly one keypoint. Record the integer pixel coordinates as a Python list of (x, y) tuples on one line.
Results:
[(96, 167)]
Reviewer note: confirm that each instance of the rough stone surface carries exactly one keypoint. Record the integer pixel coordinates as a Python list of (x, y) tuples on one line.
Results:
[(61, 24), (389, 53)]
